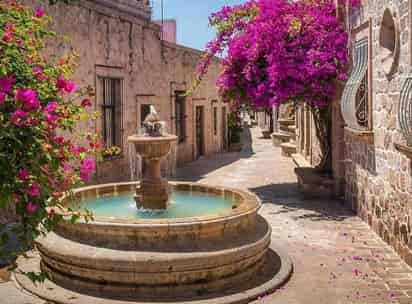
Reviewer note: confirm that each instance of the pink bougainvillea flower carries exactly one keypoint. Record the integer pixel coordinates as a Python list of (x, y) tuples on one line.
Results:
[(8, 33), (51, 119), (67, 168), (28, 97), (86, 167), (86, 103), (38, 12), (65, 85), (32, 104), (31, 208), (2, 97), (18, 117), (37, 69), (23, 174), (6, 83), (51, 107), (76, 150), (34, 190), (59, 140)]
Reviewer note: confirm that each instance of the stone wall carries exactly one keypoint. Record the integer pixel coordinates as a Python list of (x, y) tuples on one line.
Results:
[(373, 175), (114, 42), (378, 177)]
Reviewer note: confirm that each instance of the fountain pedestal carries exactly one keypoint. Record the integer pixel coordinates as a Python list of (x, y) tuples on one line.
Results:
[(153, 191)]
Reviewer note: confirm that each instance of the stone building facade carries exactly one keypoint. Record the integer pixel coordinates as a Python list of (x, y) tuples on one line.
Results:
[(372, 119), (123, 57)]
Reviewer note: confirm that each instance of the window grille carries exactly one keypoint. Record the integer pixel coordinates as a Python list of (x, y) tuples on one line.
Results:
[(111, 108), (355, 101), (405, 110)]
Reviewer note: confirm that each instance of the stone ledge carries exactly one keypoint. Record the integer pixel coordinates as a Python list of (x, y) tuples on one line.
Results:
[(361, 135), (286, 122), (310, 182), (288, 149), (276, 271), (404, 149), (314, 185), (281, 137)]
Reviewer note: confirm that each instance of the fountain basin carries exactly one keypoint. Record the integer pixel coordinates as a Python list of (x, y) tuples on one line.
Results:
[(120, 256), (224, 256)]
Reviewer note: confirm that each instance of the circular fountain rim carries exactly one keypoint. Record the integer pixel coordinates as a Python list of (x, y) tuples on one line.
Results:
[(249, 204)]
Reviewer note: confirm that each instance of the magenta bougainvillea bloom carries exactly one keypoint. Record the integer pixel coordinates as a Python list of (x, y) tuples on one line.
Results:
[(86, 103), (279, 51), (34, 190), (86, 167), (8, 33), (18, 117), (28, 97), (65, 85), (6, 83), (31, 208), (23, 174), (38, 12)]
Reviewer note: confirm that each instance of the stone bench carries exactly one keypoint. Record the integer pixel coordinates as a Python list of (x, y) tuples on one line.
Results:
[(281, 137), (288, 149), (311, 183)]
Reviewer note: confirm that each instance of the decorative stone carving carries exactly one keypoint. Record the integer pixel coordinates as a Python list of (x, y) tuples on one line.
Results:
[(389, 45)]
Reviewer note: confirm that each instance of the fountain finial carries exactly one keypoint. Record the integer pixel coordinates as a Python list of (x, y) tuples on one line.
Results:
[(152, 125)]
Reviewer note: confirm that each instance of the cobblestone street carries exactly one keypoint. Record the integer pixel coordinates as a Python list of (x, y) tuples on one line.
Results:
[(337, 258)]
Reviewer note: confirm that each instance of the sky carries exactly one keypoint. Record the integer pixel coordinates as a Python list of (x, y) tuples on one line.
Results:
[(192, 18)]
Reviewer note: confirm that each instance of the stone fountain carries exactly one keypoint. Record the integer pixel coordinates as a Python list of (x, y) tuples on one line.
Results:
[(204, 244), (153, 146)]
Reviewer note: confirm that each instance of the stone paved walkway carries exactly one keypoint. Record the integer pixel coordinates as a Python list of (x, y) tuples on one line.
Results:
[(337, 258)]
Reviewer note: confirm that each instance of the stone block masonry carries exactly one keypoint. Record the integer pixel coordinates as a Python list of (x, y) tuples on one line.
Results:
[(117, 40)]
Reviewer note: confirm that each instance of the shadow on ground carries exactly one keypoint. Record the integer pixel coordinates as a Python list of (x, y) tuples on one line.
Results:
[(289, 200)]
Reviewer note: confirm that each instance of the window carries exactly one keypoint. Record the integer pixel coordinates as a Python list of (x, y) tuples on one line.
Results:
[(111, 107), (215, 121), (180, 115), (405, 110), (144, 111), (355, 99)]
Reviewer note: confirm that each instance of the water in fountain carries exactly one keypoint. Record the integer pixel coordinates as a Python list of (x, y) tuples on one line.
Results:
[(135, 164)]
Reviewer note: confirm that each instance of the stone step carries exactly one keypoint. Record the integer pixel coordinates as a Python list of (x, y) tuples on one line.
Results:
[(288, 149), (281, 137), (292, 129), (286, 122), (313, 184)]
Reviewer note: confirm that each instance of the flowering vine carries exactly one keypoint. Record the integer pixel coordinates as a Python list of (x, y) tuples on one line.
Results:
[(280, 51), (40, 107)]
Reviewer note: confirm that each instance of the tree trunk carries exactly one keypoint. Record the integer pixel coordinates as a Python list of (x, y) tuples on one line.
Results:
[(323, 125)]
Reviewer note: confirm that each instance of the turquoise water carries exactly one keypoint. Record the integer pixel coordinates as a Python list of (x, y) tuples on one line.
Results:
[(182, 205)]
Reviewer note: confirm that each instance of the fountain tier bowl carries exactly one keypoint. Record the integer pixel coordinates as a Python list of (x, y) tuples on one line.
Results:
[(158, 259), (152, 147)]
